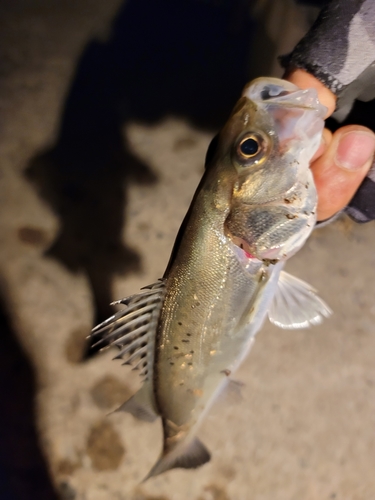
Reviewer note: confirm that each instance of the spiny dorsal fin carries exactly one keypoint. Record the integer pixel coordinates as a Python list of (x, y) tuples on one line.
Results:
[(296, 304), (133, 329), (191, 456)]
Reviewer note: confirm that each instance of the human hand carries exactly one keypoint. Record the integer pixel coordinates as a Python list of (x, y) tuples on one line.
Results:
[(343, 158)]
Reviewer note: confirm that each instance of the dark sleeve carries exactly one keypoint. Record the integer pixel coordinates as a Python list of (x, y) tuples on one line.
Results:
[(339, 50), (362, 206)]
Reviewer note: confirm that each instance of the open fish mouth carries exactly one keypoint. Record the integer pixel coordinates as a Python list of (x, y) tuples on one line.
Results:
[(286, 95)]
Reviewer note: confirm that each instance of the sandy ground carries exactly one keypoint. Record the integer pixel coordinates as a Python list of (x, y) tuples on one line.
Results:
[(103, 131)]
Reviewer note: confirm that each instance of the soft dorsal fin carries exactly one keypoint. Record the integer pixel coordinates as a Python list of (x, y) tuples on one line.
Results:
[(133, 329), (296, 304), (192, 455), (142, 405)]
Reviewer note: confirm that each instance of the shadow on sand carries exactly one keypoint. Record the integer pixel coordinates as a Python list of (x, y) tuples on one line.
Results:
[(188, 58), (185, 58), (23, 474)]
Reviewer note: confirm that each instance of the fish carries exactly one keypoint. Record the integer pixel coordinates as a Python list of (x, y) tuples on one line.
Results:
[(254, 208)]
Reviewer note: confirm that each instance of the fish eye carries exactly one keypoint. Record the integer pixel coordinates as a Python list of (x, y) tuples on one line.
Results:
[(249, 147), (252, 147)]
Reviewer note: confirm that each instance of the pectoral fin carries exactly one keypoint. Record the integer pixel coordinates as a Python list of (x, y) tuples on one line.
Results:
[(296, 304)]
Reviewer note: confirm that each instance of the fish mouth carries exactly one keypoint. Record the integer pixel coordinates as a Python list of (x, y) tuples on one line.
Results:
[(284, 94)]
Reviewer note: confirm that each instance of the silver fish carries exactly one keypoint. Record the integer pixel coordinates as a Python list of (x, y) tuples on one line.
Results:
[(254, 208)]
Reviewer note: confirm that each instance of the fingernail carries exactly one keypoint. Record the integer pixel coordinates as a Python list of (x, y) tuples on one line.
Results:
[(355, 149)]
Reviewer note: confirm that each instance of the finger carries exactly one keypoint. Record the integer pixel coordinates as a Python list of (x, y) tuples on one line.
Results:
[(324, 144), (342, 167), (304, 80)]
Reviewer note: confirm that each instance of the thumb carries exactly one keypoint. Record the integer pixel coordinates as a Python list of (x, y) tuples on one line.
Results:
[(339, 171)]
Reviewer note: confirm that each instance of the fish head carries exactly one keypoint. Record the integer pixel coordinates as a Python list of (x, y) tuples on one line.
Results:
[(265, 149)]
